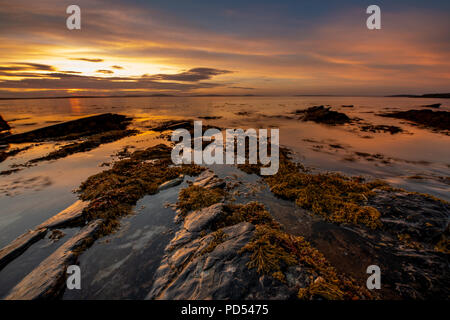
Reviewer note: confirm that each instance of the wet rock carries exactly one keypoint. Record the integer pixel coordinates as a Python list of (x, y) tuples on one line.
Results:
[(433, 119), (11, 153), (208, 179), (47, 280), (434, 105), (203, 219), (19, 245), (423, 218), (321, 114), (190, 269), (171, 183), (73, 129), (382, 128), (405, 246), (3, 124), (65, 217), (55, 235), (210, 117)]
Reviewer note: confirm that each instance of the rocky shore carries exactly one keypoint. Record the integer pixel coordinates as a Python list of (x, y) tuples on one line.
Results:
[(227, 249)]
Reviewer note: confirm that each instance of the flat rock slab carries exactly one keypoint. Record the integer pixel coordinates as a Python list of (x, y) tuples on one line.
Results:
[(47, 280), (66, 216), (19, 245), (187, 274), (208, 179), (171, 183)]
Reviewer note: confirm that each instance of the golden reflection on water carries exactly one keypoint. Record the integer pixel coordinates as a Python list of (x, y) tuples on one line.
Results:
[(75, 105)]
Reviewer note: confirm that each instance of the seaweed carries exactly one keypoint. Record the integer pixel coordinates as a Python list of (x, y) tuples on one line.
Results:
[(272, 251), (196, 197), (334, 197), (90, 143), (218, 237), (112, 193)]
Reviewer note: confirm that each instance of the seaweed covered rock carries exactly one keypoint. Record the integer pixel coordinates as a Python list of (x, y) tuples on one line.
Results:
[(405, 233), (381, 128), (321, 114), (439, 120), (229, 251), (113, 192), (73, 129)]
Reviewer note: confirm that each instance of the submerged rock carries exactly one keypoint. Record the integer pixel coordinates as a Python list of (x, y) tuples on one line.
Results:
[(171, 183), (434, 119), (381, 127), (23, 242), (321, 114), (47, 280), (19, 245), (411, 247), (434, 105)]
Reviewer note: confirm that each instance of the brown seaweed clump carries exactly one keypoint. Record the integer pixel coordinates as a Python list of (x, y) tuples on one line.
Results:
[(113, 192), (91, 142), (334, 197), (196, 197), (272, 251)]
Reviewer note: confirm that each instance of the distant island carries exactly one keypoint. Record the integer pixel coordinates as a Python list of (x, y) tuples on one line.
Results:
[(428, 95)]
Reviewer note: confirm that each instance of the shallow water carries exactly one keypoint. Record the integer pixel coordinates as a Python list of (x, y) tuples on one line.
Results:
[(30, 196)]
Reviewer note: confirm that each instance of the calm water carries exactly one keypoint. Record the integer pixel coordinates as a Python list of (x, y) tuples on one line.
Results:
[(30, 196)]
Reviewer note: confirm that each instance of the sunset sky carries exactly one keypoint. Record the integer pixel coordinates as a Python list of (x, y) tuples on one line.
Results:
[(223, 47)]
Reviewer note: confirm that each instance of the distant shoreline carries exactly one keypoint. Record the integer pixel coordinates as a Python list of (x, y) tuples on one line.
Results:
[(428, 95)]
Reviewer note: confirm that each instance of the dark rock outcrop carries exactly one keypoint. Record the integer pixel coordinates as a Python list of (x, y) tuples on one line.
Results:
[(198, 266), (73, 129), (433, 119), (434, 105), (321, 114), (405, 246), (3, 124)]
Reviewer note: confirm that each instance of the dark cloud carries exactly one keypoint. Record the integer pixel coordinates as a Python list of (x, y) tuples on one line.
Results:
[(21, 66), (105, 71), (117, 67), (63, 81), (192, 75), (87, 59), (71, 72), (243, 88)]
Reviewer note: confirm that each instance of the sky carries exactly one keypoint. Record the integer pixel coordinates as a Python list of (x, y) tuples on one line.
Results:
[(223, 47)]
